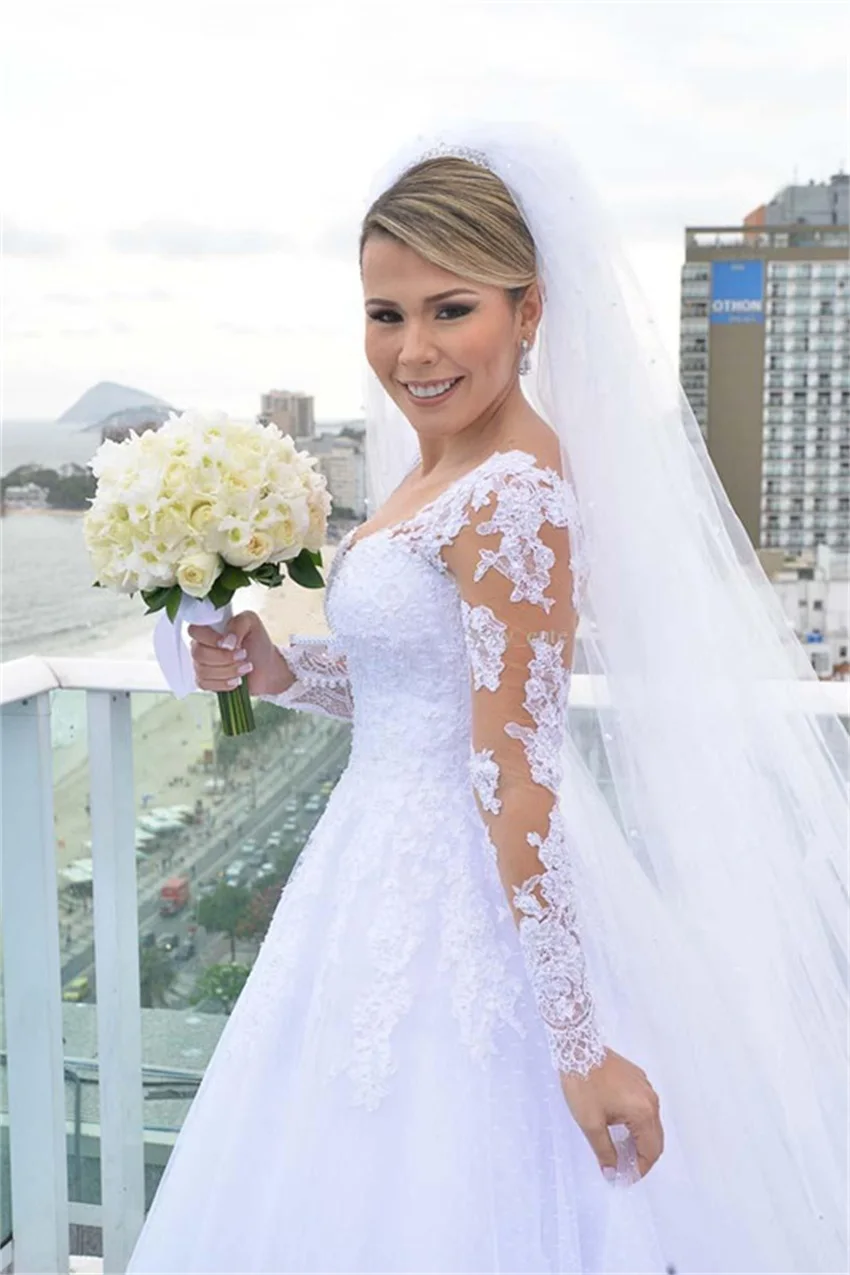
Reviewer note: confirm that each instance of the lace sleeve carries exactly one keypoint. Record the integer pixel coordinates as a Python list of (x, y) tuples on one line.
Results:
[(321, 678), (519, 625)]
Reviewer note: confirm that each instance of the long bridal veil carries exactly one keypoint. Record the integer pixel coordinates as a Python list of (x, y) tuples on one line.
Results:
[(710, 837)]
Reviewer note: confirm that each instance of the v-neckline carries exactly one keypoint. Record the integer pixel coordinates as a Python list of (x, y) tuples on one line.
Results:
[(350, 541)]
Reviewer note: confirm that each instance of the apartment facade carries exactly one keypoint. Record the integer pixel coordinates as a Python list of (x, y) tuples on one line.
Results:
[(290, 411), (765, 363)]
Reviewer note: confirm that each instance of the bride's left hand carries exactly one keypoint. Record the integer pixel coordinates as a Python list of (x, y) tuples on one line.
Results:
[(616, 1092)]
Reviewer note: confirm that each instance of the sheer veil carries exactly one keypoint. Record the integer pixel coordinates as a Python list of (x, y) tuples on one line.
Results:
[(710, 832)]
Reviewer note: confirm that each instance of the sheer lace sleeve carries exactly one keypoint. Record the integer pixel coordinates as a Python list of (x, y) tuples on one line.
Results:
[(519, 620), (321, 678)]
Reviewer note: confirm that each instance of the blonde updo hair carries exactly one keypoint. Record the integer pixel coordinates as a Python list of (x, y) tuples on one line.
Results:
[(461, 217)]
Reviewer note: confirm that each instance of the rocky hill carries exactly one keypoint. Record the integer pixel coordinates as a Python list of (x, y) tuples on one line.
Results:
[(105, 399)]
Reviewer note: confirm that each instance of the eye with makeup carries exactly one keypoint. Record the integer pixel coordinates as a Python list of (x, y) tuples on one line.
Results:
[(454, 311)]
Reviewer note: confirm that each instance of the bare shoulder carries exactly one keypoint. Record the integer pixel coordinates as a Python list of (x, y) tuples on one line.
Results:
[(539, 440)]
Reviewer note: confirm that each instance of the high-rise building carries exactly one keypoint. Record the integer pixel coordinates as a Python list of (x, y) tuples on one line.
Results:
[(765, 362), (291, 412)]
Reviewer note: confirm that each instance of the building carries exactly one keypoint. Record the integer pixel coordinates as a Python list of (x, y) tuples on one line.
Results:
[(765, 363), (817, 204), (25, 496), (290, 411), (341, 458), (814, 590)]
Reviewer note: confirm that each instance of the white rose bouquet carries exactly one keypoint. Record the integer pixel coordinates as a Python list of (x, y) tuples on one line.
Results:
[(188, 514)]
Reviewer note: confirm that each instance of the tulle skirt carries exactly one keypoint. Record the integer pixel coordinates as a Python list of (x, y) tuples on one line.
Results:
[(372, 1106)]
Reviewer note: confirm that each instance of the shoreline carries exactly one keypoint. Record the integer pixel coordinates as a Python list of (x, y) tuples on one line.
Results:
[(6, 512)]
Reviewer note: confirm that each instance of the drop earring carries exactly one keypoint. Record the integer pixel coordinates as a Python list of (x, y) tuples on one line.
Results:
[(525, 361)]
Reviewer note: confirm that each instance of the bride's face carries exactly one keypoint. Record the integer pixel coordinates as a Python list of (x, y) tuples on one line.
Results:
[(426, 326)]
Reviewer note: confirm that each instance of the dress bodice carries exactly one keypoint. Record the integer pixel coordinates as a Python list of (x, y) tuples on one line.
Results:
[(452, 635)]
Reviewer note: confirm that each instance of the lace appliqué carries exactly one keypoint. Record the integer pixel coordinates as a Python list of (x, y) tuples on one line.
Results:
[(548, 933), (484, 771), (548, 929), (546, 696), (322, 684), (483, 987), (486, 642), (526, 495)]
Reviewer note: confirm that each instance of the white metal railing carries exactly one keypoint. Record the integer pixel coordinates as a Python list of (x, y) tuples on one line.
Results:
[(31, 946), (32, 960)]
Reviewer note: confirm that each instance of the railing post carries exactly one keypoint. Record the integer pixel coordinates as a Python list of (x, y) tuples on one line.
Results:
[(32, 976), (116, 923)]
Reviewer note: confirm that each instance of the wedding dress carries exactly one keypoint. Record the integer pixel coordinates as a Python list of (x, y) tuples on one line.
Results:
[(385, 1095)]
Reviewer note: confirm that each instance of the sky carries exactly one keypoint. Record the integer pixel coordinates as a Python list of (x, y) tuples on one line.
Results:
[(183, 181)]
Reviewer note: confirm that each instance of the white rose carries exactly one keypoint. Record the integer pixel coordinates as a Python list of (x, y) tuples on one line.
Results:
[(252, 552), (196, 573)]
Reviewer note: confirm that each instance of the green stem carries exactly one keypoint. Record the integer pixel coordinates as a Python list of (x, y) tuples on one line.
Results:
[(237, 715)]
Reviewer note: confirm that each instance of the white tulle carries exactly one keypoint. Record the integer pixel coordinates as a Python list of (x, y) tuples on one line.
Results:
[(716, 893)]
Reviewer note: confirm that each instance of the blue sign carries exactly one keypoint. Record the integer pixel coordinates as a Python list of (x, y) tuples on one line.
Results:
[(737, 292)]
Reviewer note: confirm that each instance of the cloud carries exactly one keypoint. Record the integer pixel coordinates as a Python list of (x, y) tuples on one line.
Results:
[(185, 239), (19, 241), (69, 298), (339, 240), (152, 295)]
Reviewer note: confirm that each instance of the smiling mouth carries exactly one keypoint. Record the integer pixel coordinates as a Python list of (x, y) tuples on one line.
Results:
[(426, 394)]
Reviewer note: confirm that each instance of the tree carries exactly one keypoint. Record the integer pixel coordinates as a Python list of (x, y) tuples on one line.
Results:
[(255, 920), (221, 911), (221, 983), (156, 976), (285, 863), (71, 489)]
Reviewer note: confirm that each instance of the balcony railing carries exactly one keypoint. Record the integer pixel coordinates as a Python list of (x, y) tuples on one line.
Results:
[(77, 1154)]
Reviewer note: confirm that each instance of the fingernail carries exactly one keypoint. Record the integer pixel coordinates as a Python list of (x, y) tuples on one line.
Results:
[(233, 683), (245, 668), (609, 1174), (240, 655), (229, 642)]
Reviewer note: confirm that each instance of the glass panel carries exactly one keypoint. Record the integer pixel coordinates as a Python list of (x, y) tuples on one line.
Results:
[(220, 825), (72, 823), (5, 1168)]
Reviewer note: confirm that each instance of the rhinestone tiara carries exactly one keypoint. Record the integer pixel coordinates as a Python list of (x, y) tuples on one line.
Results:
[(459, 152)]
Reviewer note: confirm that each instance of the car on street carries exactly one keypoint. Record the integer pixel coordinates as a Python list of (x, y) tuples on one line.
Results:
[(264, 872), (168, 942), (234, 873), (291, 804), (289, 825), (185, 949), (77, 989)]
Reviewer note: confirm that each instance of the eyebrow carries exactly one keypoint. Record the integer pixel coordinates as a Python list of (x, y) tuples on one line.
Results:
[(440, 296)]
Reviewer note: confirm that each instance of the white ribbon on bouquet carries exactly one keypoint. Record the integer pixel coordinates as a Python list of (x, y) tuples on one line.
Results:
[(171, 651)]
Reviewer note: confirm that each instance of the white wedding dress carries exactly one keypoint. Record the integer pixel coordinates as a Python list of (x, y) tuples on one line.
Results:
[(385, 1095)]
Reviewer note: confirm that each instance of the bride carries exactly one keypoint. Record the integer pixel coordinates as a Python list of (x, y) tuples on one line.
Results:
[(514, 1013)]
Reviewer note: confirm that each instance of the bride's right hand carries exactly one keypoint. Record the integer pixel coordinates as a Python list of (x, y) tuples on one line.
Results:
[(245, 650)]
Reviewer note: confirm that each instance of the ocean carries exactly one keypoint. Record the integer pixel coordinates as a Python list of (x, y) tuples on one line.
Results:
[(49, 606), (44, 443)]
